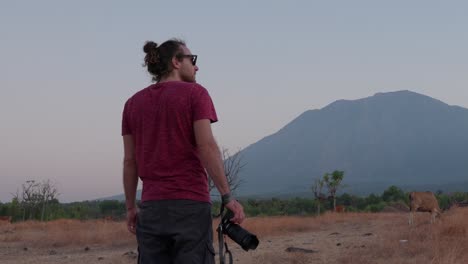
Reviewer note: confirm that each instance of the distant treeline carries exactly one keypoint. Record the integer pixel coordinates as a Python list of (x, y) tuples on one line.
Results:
[(393, 197), (111, 209)]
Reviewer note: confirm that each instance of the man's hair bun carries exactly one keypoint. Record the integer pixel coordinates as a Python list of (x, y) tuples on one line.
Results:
[(150, 47)]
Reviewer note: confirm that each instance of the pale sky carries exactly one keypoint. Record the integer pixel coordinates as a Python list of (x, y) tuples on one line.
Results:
[(67, 67)]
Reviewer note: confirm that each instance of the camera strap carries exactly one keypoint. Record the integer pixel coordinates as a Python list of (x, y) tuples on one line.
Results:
[(221, 241)]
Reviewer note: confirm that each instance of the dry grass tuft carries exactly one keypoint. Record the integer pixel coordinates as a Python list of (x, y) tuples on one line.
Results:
[(282, 225), (66, 232)]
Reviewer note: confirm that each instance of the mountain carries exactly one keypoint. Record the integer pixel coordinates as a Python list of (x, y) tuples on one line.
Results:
[(401, 138)]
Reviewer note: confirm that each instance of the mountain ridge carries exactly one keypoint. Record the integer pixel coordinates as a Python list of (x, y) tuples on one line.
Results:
[(405, 119)]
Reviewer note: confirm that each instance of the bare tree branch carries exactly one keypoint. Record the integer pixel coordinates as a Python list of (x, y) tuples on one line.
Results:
[(317, 187), (232, 166), (48, 192), (35, 197)]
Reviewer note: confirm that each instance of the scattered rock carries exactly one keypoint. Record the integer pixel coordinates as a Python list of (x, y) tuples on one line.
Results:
[(361, 246), (100, 258), (25, 249), (131, 254), (368, 234), (302, 250), (86, 248), (52, 252), (334, 233), (338, 244)]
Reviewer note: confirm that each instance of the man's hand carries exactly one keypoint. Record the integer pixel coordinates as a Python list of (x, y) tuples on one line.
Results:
[(238, 211), (131, 219)]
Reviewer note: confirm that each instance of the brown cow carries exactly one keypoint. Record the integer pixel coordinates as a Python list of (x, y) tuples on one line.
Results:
[(108, 218), (340, 209), (423, 202), (5, 219)]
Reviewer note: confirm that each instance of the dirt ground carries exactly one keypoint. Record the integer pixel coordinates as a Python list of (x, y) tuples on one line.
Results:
[(328, 245), (346, 241)]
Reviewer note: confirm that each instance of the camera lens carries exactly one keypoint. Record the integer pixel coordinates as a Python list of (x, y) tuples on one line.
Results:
[(239, 235), (249, 242)]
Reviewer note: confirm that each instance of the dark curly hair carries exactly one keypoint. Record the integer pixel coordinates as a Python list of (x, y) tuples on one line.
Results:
[(158, 58)]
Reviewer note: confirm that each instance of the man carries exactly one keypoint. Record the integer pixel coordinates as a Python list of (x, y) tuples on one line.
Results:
[(168, 143)]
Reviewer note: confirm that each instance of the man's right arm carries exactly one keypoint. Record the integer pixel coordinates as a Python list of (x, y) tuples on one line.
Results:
[(211, 158), (130, 181)]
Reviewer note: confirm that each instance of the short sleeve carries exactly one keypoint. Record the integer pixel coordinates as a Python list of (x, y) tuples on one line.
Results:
[(202, 105), (126, 128)]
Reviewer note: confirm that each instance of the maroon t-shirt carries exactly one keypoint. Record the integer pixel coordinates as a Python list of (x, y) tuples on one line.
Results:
[(160, 119)]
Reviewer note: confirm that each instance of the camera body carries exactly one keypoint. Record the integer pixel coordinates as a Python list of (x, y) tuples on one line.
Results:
[(244, 238)]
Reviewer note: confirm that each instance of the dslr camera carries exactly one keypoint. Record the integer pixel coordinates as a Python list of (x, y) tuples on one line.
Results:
[(242, 237)]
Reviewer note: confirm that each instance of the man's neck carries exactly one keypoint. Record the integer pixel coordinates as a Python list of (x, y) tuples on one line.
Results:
[(171, 78)]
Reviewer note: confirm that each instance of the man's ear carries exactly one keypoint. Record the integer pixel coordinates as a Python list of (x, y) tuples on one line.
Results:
[(175, 63)]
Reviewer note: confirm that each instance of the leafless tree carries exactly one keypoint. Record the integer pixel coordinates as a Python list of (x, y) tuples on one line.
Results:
[(48, 191), (317, 187), (35, 196), (232, 166), (29, 198)]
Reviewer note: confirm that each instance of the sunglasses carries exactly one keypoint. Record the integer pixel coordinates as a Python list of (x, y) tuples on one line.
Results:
[(193, 58)]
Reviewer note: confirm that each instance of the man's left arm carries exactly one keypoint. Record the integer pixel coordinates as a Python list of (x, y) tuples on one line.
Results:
[(130, 181)]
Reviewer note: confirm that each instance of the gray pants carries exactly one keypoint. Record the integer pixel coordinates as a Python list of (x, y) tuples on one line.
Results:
[(175, 232)]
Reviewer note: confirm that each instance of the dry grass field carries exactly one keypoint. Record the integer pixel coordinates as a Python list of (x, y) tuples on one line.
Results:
[(331, 238)]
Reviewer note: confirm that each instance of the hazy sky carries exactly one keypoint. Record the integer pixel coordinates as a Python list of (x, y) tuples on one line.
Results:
[(67, 67)]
